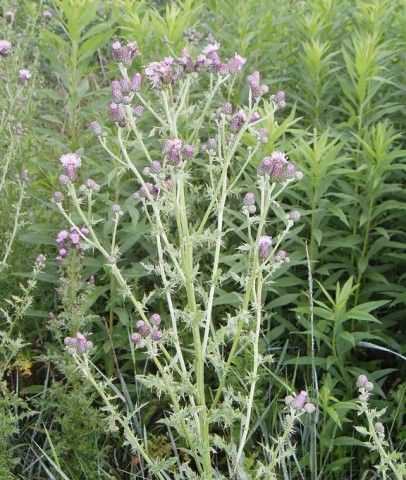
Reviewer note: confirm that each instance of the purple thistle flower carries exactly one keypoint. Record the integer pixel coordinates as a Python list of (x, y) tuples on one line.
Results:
[(201, 62), (5, 48), (23, 76), (156, 335), (155, 319), (138, 111), (264, 246), (299, 401), (155, 167), (265, 167), (211, 145), (172, 149), (96, 128), (125, 86), (294, 215), (186, 61), (169, 184), (63, 179), (135, 82), (279, 99), (160, 73), (117, 114), (117, 51), (71, 160), (47, 15), (188, 151), (227, 108), (255, 117), (40, 261), (78, 343), (9, 15), (143, 192), (58, 197), (281, 255), (238, 121), (62, 236), (249, 199), (263, 135), (143, 328), (254, 81), (63, 252), (236, 63), (136, 338)]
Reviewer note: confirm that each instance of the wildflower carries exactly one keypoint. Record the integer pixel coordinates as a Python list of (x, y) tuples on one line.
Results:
[(186, 61), (279, 99), (288, 399), (25, 175), (116, 209), (117, 114), (235, 64), (9, 15), (63, 179), (362, 380), (47, 15), (156, 335), (238, 121), (274, 166), (309, 407), (135, 82), (78, 343), (62, 252), (201, 62), (40, 261), (264, 246), (116, 92), (160, 73), (143, 328), (136, 338), (255, 117), (117, 51), (188, 151), (125, 54), (23, 76), (58, 197), (211, 49), (71, 160), (227, 108), (62, 236), (281, 256), (155, 167), (145, 191), (138, 111), (172, 149), (300, 400), (380, 430), (263, 135), (155, 319), (96, 128), (294, 215), (92, 185), (74, 237), (211, 145), (169, 184), (254, 81), (249, 199), (5, 48)]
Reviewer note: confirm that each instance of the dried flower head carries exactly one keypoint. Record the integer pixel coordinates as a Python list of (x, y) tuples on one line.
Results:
[(5, 48), (264, 246)]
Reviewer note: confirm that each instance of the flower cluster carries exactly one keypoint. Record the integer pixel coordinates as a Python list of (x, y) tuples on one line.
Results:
[(146, 330), (299, 402), (71, 162), (124, 55), (79, 344), (365, 387), (69, 241), (277, 168)]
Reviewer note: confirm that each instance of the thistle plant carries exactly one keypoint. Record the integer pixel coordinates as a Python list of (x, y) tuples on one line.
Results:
[(189, 154)]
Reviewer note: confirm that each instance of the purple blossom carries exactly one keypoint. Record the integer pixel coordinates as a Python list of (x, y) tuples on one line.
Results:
[(161, 73), (279, 99), (116, 113), (117, 51), (249, 199), (62, 252), (71, 160), (136, 338), (238, 121), (63, 179), (125, 54), (138, 111), (135, 82), (155, 319), (47, 15), (227, 108), (264, 246), (78, 343), (23, 76), (201, 62), (40, 261), (188, 151), (236, 63), (255, 117), (281, 255), (5, 48), (155, 167), (211, 145), (263, 135), (172, 148), (62, 236), (96, 128), (74, 238), (156, 335), (254, 81), (274, 166), (9, 15), (149, 190), (186, 61), (299, 401), (143, 328), (92, 185), (58, 197)]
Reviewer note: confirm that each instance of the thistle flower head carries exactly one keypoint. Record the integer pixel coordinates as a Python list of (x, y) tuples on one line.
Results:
[(143, 328), (172, 148), (135, 82), (281, 256), (5, 48), (264, 246), (254, 82), (136, 338), (138, 111), (96, 128), (47, 15), (161, 73), (238, 121), (279, 99), (249, 199), (58, 197), (79, 343), (236, 63), (23, 76), (156, 335), (299, 401), (155, 319), (40, 261), (71, 160)]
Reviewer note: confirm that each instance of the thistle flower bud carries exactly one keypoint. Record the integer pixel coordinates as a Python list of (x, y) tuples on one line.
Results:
[(155, 319), (299, 175), (9, 16), (78, 343), (362, 380), (188, 151), (117, 51), (156, 335), (264, 247), (62, 236), (238, 121), (23, 76), (294, 215), (299, 401), (249, 199), (111, 260), (155, 167), (58, 197), (116, 209), (279, 99), (227, 108), (288, 400), (138, 111), (5, 48), (63, 252), (135, 82), (96, 128), (235, 64), (281, 256), (172, 148), (92, 185), (47, 15), (309, 407), (143, 328), (136, 338), (380, 430), (263, 135), (40, 261)]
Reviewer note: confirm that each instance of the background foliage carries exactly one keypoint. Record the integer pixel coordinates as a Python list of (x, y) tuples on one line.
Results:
[(342, 65)]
